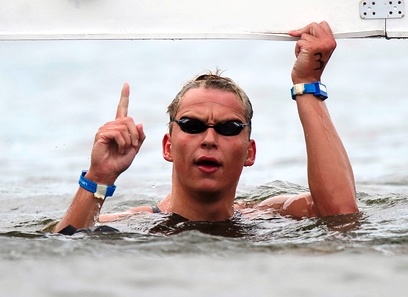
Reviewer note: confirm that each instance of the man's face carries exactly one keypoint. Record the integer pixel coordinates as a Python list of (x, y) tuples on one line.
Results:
[(208, 161)]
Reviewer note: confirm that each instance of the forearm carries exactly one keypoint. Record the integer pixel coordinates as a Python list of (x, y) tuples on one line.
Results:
[(83, 211), (115, 146), (330, 175)]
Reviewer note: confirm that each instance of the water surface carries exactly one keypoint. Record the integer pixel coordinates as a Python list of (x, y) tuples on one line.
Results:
[(55, 94)]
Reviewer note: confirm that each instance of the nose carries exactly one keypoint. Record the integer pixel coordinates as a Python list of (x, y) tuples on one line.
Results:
[(209, 139)]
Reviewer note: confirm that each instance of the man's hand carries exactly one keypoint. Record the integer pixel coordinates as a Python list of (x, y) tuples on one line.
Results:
[(313, 50), (116, 144)]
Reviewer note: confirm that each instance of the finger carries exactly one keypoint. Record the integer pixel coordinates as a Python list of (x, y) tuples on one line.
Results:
[(325, 26), (126, 126), (118, 132), (141, 134), (123, 105), (137, 137), (299, 32), (127, 138), (312, 29), (303, 45), (133, 133), (109, 137), (294, 33)]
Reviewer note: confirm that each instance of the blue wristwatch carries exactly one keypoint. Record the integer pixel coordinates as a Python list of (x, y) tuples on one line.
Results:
[(99, 191), (316, 88)]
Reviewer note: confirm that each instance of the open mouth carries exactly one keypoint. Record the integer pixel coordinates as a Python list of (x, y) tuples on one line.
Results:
[(207, 162)]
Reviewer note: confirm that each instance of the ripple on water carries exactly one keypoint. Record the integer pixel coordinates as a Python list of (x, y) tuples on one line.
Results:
[(381, 226)]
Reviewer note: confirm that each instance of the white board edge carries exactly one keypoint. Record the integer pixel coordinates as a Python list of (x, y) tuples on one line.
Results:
[(177, 36)]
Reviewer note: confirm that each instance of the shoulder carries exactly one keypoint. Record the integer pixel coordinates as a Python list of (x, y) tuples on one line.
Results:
[(109, 217), (297, 206)]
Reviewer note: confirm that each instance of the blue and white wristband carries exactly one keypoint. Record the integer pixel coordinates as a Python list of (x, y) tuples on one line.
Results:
[(99, 191), (317, 89)]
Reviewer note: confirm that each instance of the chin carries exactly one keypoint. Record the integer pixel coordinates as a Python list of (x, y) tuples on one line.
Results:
[(208, 188), (211, 191)]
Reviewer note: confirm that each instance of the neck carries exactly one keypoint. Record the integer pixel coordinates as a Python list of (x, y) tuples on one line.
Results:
[(199, 207)]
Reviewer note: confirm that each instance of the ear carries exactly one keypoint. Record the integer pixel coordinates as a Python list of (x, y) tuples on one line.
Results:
[(166, 148), (251, 153)]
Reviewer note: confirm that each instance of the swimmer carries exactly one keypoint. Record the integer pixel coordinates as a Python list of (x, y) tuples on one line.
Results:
[(209, 143)]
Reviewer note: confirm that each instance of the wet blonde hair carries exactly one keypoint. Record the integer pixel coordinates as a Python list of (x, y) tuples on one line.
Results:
[(211, 81)]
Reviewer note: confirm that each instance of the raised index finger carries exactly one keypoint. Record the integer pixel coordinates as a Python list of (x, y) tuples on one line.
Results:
[(122, 110)]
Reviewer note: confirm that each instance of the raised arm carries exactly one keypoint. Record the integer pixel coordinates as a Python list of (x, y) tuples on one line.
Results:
[(330, 175), (116, 145)]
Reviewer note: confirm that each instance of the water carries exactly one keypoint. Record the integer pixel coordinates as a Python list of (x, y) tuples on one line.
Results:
[(55, 94)]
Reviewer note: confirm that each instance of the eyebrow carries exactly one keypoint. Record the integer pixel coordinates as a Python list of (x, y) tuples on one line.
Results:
[(230, 119)]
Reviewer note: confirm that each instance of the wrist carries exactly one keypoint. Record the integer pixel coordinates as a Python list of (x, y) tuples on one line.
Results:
[(304, 79), (100, 190), (316, 89), (100, 178)]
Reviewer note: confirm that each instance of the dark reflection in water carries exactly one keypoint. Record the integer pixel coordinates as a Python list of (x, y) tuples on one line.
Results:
[(175, 224), (260, 229)]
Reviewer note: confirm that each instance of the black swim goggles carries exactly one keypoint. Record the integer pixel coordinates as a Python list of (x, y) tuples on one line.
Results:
[(194, 126)]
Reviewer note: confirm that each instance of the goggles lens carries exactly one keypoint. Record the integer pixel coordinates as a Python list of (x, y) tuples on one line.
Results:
[(194, 126)]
